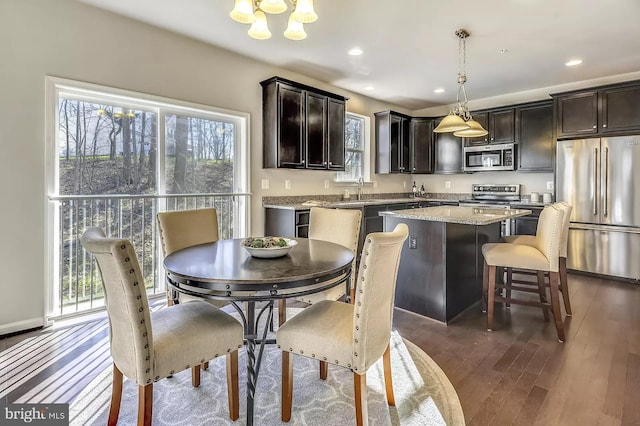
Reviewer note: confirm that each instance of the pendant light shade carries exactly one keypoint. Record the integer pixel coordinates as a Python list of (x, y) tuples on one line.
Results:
[(273, 6), (451, 123), (475, 130), (259, 29), (295, 30), (459, 120), (243, 12), (304, 12)]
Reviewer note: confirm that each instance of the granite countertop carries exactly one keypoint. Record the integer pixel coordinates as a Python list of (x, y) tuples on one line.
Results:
[(341, 203), (462, 215)]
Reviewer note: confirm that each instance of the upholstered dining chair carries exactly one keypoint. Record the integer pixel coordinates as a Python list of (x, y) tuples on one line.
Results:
[(186, 228), (529, 240), (148, 346), (340, 226), (353, 336), (542, 257)]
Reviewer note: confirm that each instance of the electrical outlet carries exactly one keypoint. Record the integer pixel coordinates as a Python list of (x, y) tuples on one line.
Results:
[(550, 185), (326, 184), (265, 183), (375, 183), (287, 184), (447, 184), (404, 184), (413, 242)]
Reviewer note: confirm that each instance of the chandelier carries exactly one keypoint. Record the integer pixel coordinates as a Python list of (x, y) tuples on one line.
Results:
[(253, 12), (459, 120)]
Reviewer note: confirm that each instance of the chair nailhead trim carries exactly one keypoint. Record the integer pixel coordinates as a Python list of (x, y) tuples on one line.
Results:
[(324, 358), (313, 355), (157, 378), (356, 354), (131, 271), (348, 365), (290, 349), (356, 340), (357, 315), (186, 367), (147, 370), (337, 362), (357, 328), (202, 360), (228, 350), (278, 346), (216, 355), (123, 246), (126, 259), (172, 372), (301, 351)]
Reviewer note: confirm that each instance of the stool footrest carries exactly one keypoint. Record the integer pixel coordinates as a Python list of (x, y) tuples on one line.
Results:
[(523, 302), (519, 288)]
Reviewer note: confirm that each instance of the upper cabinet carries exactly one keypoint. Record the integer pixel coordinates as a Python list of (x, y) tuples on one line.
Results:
[(500, 123), (393, 147), (447, 150), (534, 133), (599, 111), (303, 127), (421, 145)]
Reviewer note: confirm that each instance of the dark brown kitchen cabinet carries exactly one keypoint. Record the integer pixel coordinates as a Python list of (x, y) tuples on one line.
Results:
[(534, 133), (286, 223), (421, 145), (303, 127), (392, 143), (599, 111), (526, 225), (448, 158), (500, 123)]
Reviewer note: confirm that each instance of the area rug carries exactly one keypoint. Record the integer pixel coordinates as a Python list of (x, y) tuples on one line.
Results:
[(424, 395)]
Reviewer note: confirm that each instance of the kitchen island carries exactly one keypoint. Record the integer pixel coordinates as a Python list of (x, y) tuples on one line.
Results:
[(440, 272)]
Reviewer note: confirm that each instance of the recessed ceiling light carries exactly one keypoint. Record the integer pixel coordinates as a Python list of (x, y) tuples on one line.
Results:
[(573, 62), (441, 90), (369, 88), (356, 51)]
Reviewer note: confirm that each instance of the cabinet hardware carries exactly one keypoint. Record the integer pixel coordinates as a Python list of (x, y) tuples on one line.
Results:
[(604, 125), (594, 126)]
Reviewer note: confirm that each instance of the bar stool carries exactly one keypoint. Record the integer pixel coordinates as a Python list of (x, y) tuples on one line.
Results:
[(530, 241), (543, 256)]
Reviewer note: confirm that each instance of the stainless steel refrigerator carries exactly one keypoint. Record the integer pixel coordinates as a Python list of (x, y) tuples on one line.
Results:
[(600, 178)]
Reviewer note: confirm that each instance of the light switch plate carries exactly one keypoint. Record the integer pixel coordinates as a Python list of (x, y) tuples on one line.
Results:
[(550, 185), (447, 184), (265, 183), (326, 184), (287, 184)]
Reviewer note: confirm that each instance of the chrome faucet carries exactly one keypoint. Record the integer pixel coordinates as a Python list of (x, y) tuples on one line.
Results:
[(360, 185)]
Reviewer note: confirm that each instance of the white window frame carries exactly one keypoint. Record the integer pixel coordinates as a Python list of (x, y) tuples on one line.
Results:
[(366, 152), (55, 86)]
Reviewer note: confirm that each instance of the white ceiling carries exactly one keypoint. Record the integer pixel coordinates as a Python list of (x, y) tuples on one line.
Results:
[(410, 47)]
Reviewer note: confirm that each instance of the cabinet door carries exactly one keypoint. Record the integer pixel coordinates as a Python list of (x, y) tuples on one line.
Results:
[(290, 127), (421, 146), (448, 153), (335, 134), (577, 114), (536, 147), (395, 137), (524, 226), (620, 109), (483, 119), (502, 126), (316, 114), (405, 146)]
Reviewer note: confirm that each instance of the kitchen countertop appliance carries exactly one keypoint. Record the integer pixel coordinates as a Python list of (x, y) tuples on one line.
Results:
[(495, 196), (600, 178)]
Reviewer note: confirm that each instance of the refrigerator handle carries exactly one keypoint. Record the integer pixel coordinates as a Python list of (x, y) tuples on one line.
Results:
[(605, 188), (595, 181)]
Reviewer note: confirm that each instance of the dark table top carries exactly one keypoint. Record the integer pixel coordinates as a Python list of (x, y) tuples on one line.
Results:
[(226, 266)]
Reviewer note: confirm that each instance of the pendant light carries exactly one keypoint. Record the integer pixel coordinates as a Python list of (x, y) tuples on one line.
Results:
[(253, 12), (459, 120)]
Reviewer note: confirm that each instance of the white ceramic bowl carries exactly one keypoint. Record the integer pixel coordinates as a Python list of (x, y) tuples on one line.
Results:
[(272, 252)]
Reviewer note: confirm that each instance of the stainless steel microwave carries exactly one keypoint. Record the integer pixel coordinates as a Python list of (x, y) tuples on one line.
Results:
[(484, 158)]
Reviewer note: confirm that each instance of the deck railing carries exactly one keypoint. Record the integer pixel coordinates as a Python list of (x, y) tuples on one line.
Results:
[(76, 286)]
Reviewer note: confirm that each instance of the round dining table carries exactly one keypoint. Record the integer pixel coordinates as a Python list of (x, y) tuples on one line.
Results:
[(224, 270)]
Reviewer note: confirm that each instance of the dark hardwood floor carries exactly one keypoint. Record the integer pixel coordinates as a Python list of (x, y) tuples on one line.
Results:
[(517, 374)]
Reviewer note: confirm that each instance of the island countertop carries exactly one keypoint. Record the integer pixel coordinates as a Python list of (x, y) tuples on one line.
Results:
[(461, 215)]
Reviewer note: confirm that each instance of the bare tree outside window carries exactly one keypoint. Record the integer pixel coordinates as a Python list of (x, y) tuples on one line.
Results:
[(355, 149)]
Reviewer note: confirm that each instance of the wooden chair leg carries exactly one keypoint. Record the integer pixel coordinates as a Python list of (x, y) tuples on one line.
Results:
[(360, 388), (485, 286), (555, 304), (388, 382), (232, 385), (145, 404), (491, 294), (205, 366), (282, 312), (564, 287), (324, 370), (352, 295), (543, 294), (195, 376), (116, 397), (287, 386), (508, 287)]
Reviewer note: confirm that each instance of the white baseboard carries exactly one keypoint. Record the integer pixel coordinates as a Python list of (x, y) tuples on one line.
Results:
[(21, 325)]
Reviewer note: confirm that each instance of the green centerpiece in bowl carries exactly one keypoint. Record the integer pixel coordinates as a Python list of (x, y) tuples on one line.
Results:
[(268, 247)]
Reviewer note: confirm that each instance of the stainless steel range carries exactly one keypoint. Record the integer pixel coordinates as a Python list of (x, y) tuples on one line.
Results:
[(496, 196)]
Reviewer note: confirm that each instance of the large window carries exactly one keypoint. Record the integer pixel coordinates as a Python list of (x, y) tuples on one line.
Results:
[(115, 159), (356, 149)]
